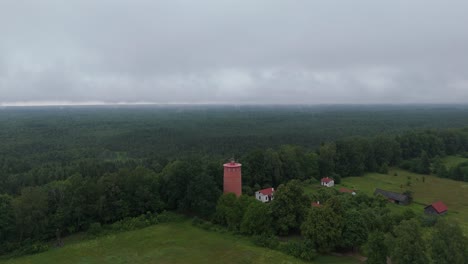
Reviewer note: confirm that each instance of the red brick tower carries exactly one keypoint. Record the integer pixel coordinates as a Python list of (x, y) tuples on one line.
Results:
[(233, 178)]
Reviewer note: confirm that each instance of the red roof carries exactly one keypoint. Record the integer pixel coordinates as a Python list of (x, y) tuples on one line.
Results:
[(344, 190), (326, 180), (439, 206), (267, 191), (315, 204)]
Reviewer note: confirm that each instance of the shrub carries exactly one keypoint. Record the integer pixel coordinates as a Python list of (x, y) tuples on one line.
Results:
[(383, 169), (336, 177), (268, 241), (428, 220), (299, 249), (94, 229), (166, 217), (28, 247), (197, 221)]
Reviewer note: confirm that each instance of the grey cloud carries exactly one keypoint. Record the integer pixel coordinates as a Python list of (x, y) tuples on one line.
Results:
[(234, 51)]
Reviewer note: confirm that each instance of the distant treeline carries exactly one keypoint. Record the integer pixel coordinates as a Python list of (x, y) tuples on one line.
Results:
[(417, 151), (33, 136)]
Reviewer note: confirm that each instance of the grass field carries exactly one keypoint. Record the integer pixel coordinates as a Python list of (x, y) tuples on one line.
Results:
[(166, 243), (453, 193), (452, 161)]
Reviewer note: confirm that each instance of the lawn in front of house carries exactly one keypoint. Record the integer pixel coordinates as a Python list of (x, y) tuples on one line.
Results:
[(167, 243)]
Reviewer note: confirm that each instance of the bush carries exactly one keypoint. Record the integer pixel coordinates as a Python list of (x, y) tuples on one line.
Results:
[(428, 220), (299, 249), (336, 177), (166, 217), (197, 221), (144, 220), (29, 247), (94, 229), (383, 169), (267, 241), (207, 225)]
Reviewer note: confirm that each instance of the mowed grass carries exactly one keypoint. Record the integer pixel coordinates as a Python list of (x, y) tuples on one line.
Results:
[(167, 243), (453, 193), (452, 161)]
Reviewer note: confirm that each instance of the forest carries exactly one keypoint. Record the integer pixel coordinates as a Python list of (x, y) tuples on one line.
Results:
[(66, 170)]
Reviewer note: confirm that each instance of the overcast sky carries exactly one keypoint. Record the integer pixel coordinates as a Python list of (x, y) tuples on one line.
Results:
[(252, 51)]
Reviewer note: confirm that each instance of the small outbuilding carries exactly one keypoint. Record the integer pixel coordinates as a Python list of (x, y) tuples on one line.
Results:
[(437, 208), (328, 182), (394, 197), (265, 195), (345, 190), (316, 204)]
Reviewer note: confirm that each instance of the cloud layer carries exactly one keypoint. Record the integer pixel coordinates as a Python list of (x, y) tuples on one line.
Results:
[(264, 51)]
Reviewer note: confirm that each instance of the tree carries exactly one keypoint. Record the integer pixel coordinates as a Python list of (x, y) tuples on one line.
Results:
[(7, 218), (323, 227), (406, 245), (352, 157), (230, 210), (273, 167), (336, 177), (254, 172), (202, 194), (354, 229), (448, 244), (376, 248), (31, 212), (289, 207), (425, 163), (257, 219), (327, 156)]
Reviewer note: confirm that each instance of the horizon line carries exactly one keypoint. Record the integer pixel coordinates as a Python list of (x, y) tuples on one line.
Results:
[(143, 103)]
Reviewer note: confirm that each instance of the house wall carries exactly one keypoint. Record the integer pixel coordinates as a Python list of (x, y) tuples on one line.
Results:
[(261, 197), (430, 210), (329, 184)]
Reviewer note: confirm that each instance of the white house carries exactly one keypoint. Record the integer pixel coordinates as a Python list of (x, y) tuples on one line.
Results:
[(265, 195), (329, 182)]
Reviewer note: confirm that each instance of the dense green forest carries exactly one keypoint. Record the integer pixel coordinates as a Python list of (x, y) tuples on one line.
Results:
[(64, 170)]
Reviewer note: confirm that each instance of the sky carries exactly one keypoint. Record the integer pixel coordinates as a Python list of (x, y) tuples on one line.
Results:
[(233, 52)]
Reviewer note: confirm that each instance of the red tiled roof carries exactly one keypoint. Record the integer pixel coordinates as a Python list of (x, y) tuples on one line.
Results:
[(439, 206), (267, 191), (315, 204), (326, 180), (344, 190)]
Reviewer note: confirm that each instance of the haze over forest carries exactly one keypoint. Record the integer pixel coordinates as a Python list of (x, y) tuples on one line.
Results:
[(240, 52)]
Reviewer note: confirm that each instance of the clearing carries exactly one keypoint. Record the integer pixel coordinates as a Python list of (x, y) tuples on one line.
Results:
[(167, 243), (452, 161), (453, 193)]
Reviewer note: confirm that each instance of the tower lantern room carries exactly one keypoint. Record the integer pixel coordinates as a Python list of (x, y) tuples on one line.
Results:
[(233, 178)]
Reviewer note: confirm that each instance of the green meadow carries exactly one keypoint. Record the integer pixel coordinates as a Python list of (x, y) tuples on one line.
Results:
[(452, 161), (166, 243), (426, 190)]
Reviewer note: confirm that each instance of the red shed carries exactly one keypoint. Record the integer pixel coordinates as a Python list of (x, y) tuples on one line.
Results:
[(437, 208), (233, 178)]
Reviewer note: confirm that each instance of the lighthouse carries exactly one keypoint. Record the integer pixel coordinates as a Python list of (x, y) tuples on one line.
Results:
[(233, 178)]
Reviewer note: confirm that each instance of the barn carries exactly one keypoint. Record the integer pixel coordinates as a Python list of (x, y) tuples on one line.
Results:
[(437, 208), (393, 197)]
